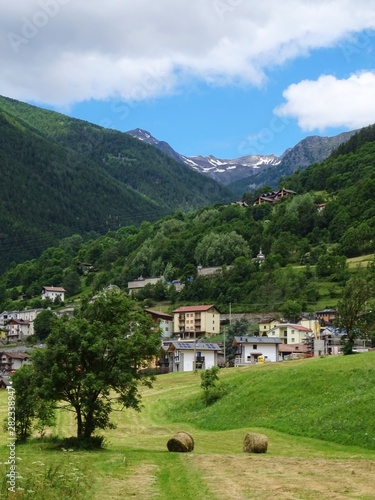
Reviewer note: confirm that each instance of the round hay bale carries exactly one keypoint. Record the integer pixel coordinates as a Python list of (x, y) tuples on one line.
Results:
[(181, 442), (255, 443)]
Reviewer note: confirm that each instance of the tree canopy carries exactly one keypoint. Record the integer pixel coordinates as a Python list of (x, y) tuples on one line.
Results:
[(97, 359), (355, 313)]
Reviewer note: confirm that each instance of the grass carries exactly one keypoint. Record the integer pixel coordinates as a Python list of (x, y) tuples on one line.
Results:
[(328, 399), (317, 413), (362, 261)]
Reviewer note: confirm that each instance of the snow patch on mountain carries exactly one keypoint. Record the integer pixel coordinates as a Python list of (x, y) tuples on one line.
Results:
[(223, 170)]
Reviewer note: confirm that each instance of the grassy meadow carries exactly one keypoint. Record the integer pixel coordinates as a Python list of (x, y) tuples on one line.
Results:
[(317, 414)]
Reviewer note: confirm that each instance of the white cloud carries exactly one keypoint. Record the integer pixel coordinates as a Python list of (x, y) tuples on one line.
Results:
[(330, 102), (63, 51)]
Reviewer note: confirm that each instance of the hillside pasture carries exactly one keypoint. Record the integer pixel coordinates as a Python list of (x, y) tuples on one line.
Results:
[(298, 465)]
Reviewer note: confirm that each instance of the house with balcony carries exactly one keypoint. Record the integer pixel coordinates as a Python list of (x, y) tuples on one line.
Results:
[(326, 317), (272, 197), (12, 361), (290, 333), (250, 350), (190, 356), (192, 322), (17, 330)]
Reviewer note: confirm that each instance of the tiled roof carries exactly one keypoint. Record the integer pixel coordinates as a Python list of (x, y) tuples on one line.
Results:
[(193, 308), (285, 348), (21, 321), (16, 355), (294, 326), (53, 289)]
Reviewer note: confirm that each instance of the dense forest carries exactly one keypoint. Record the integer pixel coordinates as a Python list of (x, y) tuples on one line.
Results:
[(62, 176)]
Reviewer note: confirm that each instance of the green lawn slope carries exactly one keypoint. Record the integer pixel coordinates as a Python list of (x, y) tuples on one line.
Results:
[(326, 398)]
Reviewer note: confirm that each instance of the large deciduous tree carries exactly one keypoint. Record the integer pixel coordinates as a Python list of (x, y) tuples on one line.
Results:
[(354, 311), (98, 359)]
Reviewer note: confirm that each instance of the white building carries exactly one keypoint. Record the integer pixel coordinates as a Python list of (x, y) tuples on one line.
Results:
[(6, 316), (251, 349), (188, 356), (52, 292)]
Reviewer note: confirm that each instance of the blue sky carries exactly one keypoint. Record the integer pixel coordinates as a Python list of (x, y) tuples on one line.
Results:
[(223, 77)]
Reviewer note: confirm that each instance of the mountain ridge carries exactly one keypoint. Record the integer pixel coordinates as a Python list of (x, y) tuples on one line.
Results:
[(263, 169), (222, 170)]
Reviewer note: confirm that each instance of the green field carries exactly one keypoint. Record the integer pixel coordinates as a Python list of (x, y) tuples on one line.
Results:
[(317, 414)]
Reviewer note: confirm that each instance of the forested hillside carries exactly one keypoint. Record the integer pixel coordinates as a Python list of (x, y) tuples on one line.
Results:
[(309, 151), (306, 239), (347, 183), (62, 176)]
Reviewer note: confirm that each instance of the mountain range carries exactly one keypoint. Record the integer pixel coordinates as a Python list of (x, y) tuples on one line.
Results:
[(224, 171), (253, 170)]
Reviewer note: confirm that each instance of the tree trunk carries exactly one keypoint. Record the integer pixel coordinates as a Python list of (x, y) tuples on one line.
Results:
[(79, 421)]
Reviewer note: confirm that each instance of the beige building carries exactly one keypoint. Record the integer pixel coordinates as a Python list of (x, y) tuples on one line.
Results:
[(11, 361), (267, 324), (17, 330), (290, 333), (191, 322)]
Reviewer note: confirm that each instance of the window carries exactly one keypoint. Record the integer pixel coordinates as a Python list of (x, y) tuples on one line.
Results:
[(293, 339), (255, 347)]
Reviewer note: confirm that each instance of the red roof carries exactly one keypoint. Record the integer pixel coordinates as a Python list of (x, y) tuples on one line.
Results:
[(295, 327), (14, 321), (193, 309)]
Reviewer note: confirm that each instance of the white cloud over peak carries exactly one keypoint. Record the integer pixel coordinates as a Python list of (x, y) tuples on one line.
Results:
[(63, 51), (330, 102)]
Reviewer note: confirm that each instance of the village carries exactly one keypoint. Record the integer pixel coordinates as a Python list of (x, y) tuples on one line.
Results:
[(194, 337)]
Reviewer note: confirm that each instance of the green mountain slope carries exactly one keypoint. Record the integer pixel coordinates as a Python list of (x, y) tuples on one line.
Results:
[(61, 176)]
